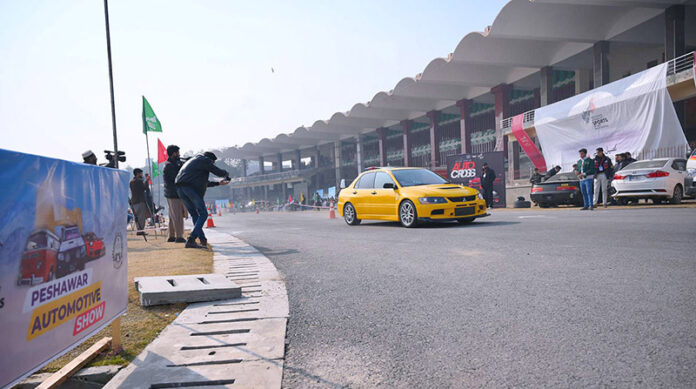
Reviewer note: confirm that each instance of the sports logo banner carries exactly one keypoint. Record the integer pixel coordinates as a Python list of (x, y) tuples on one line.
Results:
[(63, 262), (466, 169), (634, 114)]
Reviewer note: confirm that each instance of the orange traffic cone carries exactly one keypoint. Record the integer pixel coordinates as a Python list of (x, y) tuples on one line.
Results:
[(219, 212), (210, 223), (332, 212), (257, 210)]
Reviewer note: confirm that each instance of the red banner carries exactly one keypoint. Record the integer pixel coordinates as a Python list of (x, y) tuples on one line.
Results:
[(526, 143)]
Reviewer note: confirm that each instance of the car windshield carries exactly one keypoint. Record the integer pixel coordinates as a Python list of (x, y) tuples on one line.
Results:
[(36, 241), (415, 177), (72, 233), (563, 177), (647, 164)]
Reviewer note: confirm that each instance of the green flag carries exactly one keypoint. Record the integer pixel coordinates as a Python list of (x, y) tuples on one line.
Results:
[(155, 170), (150, 121)]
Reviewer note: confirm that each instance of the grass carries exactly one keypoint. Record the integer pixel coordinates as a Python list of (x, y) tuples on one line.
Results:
[(139, 325)]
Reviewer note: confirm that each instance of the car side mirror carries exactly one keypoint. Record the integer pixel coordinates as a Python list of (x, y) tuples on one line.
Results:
[(389, 185)]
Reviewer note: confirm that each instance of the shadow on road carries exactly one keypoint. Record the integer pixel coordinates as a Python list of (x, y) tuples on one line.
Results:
[(426, 225)]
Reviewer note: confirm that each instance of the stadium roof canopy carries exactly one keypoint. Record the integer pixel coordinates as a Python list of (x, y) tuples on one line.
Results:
[(524, 37)]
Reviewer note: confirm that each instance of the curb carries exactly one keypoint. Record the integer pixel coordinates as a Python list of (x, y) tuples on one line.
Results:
[(237, 343)]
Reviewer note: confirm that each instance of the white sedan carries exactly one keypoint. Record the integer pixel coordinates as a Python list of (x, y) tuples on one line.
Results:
[(656, 179)]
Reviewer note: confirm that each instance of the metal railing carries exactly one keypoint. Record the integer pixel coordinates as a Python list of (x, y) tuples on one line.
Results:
[(677, 65), (682, 63)]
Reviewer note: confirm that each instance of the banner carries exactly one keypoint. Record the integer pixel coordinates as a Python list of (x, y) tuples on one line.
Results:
[(634, 114), (63, 257), (466, 169), (526, 143)]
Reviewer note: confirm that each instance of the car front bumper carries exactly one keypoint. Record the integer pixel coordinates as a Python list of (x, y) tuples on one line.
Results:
[(452, 211)]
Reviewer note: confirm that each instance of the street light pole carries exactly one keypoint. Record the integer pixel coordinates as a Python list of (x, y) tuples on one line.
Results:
[(111, 82)]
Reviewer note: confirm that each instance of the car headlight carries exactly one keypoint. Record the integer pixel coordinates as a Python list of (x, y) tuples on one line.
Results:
[(432, 200), (480, 196)]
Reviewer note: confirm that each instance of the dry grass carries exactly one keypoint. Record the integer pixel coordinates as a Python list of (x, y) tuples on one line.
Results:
[(140, 326)]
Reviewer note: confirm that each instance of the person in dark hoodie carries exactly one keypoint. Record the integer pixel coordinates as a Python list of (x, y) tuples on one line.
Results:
[(177, 210), (191, 184)]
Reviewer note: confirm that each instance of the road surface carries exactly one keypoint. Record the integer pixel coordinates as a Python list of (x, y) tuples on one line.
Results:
[(524, 298)]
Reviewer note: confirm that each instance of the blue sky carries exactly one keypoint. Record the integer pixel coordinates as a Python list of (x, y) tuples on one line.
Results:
[(205, 66)]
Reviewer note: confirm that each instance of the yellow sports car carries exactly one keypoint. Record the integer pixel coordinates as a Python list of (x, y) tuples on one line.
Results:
[(408, 195)]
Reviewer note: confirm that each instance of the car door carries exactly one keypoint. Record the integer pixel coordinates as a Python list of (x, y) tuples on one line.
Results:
[(679, 166), (383, 200), (361, 193)]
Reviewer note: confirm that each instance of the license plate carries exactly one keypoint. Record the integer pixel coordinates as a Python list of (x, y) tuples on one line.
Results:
[(465, 211), (564, 184)]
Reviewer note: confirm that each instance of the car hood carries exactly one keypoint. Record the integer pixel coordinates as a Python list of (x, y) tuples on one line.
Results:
[(444, 190)]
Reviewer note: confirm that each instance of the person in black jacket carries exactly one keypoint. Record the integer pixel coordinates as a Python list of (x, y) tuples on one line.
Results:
[(191, 184), (177, 210), (487, 179), (138, 200)]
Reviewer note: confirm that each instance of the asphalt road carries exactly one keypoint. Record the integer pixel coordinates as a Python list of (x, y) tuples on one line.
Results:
[(523, 298)]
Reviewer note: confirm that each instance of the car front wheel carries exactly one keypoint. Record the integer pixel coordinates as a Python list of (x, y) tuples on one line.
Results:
[(407, 214), (676, 195), (349, 215)]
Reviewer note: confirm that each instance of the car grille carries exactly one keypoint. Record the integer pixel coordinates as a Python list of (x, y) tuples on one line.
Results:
[(462, 199)]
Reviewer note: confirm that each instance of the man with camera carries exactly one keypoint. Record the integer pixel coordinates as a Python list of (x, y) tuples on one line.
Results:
[(191, 184), (177, 210)]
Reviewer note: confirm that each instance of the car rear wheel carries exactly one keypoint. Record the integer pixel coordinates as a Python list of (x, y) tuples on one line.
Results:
[(349, 215), (543, 205), (677, 195), (467, 220), (407, 214)]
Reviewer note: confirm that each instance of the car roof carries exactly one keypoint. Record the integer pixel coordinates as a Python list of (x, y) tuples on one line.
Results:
[(373, 168)]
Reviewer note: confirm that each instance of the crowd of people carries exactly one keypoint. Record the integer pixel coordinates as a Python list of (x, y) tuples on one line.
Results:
[(185, 184)]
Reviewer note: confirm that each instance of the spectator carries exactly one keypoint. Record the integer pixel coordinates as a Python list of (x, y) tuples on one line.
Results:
[(191, 184), (552, 172), (138, 200), (487, 179), (585, 171), (536, 177), (620, 162), (628, 159), (604, 172), (89, 158), (177, 210), (692, 148)]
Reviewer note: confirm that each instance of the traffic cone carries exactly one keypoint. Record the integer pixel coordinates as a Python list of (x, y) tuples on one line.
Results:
[(219, 212), (257, 210), (210, 223), (332, 212)]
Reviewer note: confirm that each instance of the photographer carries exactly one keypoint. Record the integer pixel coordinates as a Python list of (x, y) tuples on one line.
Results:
[(191, 184), (89, 158)]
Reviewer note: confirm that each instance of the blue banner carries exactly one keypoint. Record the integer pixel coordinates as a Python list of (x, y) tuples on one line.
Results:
[(63, 257)]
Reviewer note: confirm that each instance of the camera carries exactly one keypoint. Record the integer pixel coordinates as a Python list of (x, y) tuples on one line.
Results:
[(112, 157)]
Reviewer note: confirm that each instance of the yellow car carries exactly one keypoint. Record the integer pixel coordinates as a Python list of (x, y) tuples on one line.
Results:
[(408, 195)]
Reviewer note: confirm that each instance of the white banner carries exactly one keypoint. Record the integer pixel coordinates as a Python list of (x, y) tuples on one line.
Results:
[(634, 114)]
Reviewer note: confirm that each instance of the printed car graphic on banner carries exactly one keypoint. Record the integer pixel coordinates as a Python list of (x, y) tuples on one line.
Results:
[(62, 256)]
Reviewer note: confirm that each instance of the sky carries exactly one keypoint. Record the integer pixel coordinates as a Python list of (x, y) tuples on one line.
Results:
[(205, 66)]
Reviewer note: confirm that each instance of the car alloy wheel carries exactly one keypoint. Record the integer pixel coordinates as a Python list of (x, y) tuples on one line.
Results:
[(676, 195), (349, 215), (407, 214)]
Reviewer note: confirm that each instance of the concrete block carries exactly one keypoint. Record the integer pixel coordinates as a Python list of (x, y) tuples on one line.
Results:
[(185, 289)]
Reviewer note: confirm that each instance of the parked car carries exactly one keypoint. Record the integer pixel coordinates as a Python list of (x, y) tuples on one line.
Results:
[(72, 250), (656, 179), (39, 260), (95, 245), (690, 185), (563, 188)]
